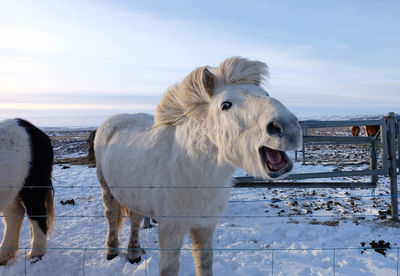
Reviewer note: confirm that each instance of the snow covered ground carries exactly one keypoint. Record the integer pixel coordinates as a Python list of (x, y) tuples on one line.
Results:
[(262, 232)]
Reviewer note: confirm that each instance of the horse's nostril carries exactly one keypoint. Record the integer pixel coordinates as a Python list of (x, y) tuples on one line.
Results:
[(274, 128)]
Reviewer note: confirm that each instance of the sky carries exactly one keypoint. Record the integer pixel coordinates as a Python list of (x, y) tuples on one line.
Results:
[(74, 63)]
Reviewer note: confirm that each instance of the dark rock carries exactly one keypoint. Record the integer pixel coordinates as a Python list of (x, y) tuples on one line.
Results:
[(68, 201), (380, 246)]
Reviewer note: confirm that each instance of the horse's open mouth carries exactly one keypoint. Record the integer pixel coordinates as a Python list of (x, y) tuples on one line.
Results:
[(276, 162)]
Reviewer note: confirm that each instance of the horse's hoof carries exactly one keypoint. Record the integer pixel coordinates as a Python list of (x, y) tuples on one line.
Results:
[(36, 253), (137, 260), (134, 256), (110, 257), (5, 257), (112, 252), (36, 259)]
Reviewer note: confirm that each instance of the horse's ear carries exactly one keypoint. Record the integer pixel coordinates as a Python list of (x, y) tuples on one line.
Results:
[(208, 81)]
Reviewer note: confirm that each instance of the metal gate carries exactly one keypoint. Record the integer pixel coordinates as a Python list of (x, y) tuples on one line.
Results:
[(390, 164)]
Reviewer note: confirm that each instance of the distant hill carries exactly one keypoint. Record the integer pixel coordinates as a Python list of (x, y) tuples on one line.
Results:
[(344, 117)]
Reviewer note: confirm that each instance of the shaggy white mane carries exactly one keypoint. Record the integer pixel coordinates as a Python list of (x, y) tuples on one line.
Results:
[(190, 98)]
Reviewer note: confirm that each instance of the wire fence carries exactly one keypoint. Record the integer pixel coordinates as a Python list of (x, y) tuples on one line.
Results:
[(272, 251)]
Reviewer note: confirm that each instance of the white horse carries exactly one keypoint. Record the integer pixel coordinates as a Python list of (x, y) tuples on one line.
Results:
[(177, 167), (26, 160)]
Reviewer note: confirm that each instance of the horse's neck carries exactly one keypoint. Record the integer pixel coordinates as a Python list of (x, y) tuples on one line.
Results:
[(199, 151)]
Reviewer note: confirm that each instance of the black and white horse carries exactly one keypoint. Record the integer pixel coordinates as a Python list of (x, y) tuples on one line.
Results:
[(26, 159)]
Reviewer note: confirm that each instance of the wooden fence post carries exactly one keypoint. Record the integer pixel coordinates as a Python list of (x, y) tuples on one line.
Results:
[(390, 120)]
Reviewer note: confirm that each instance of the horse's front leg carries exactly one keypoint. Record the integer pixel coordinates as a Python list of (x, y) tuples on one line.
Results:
[(202, 250), (13, 217), (171, 238)]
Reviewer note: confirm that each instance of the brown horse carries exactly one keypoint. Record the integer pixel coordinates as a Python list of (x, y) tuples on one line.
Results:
[(371, 130), (355, 130)]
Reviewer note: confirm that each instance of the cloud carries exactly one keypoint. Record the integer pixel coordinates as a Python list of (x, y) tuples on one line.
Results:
[(29, 40), (68, 49), (74, 107)]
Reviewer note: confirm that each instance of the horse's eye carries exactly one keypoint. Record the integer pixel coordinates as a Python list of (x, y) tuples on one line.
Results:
[(226, 105)]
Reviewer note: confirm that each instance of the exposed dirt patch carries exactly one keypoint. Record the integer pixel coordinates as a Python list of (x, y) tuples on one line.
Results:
[(76, 161), (327, 223), (70, 146), (69, 142)]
